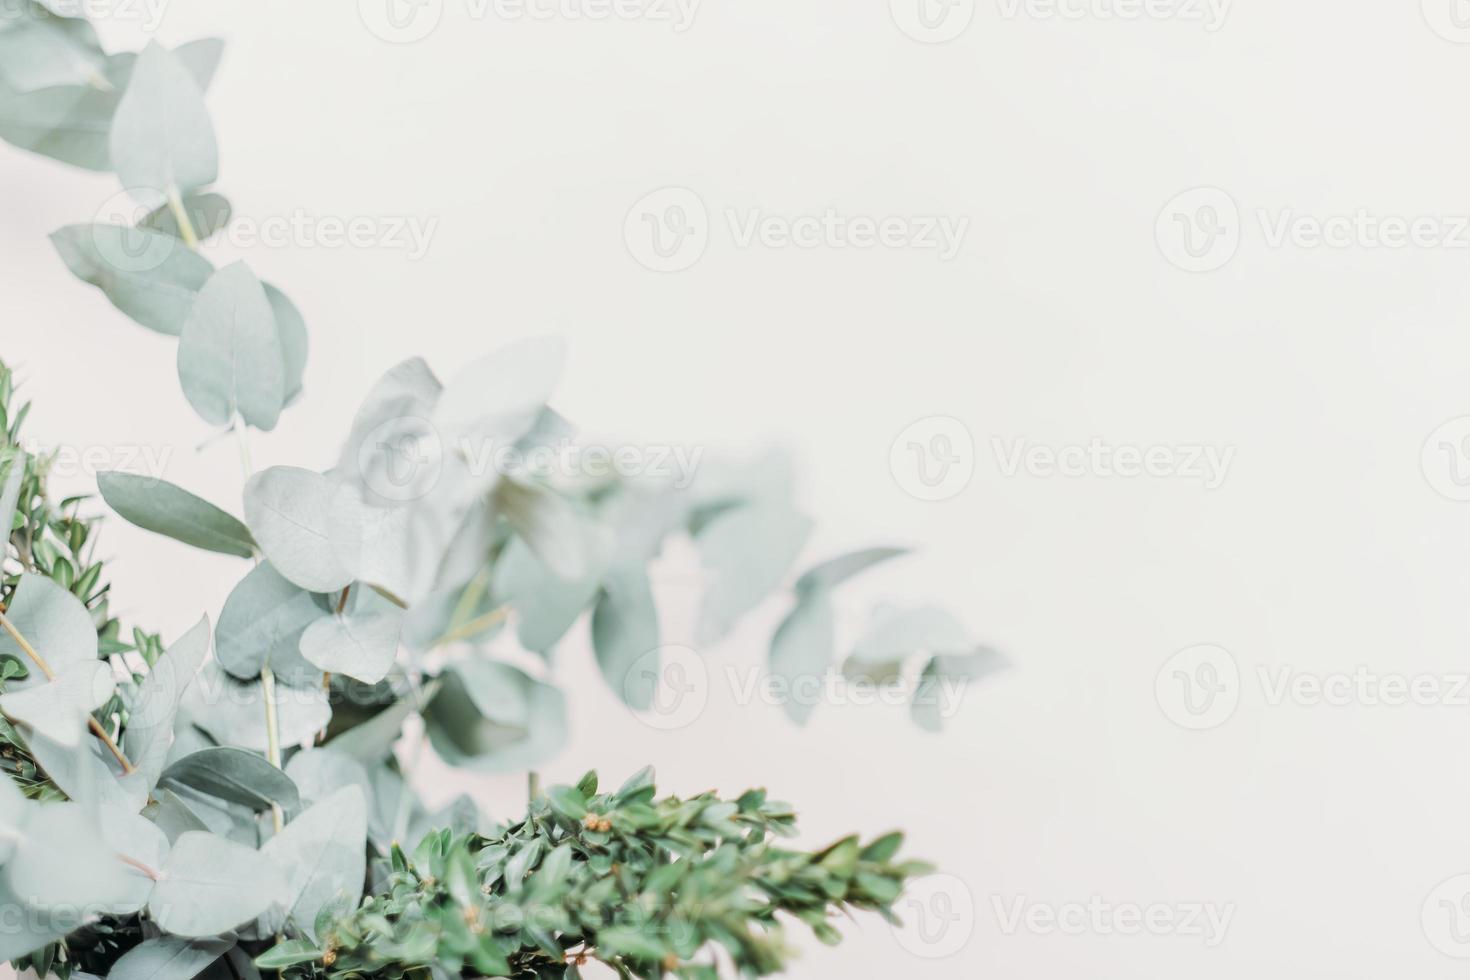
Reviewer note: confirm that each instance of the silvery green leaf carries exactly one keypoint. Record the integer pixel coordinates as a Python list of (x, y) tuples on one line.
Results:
[(499, 397), (87, 774), (801, 652), (172, 815), (12, 474), (546, 605), (233, 712), (59, 709), (230, 358), (370, 541), (624, 631), (39, 50), (233, 821), (393, 423), (211, 885), (323, 856), (746, 552), (150, 730), (361, 646), (234, 775), (54, 623), (69, 123), (370, 741), (318, 773), (494, 718), (142, 843), (294, 340), (34, 928), (549, 524), (162, 139), (201, 58), (207, 212), (943, 682), (151, 277), (159, 506), (830, 574), (261, 625), (62, 860), (169, 958), (288, 509), (896, 634)]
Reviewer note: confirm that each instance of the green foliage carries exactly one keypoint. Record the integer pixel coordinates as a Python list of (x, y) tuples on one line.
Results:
[(181, 812), (648, 886)]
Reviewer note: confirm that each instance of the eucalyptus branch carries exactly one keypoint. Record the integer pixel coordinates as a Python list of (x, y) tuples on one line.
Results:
[(93, 724)]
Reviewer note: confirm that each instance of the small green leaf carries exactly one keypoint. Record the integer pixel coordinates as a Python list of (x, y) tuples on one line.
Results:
[(160, 507), (292, 952), (234, 775), (567, 801)]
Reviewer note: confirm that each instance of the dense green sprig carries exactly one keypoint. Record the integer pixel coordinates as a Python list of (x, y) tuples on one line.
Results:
[(649, 887)]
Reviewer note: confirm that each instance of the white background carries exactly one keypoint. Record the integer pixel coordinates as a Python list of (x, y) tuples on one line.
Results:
[(1062, 319)]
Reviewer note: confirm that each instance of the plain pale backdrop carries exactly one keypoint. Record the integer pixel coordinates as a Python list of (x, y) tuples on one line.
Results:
[(1324, 828)]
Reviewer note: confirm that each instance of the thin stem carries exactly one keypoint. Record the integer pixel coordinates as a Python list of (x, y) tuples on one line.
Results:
[(186, 227), (92, 723), (533, 786), (244, 444), (140, 866), (272, 735), (477, 625)]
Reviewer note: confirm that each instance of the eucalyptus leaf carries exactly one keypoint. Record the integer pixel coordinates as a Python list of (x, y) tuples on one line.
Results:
[(624, 632), (320, 772), (150, 730), (291, 328), (61, 860), (162, 139), (941, 687), (233, 712), (54, 623), (830, 574), (896, 634), (288, 509), (746, 552), (546, 604), (322, 855), (499, 397), (169, 958), (230, 359), (159, 506), (59, 709), (42, 50), (211, 885), (261, 626), (801, 653), (495, 718), (234, 775), (362, 646), (143, 846), (549, 524), (151, 277)]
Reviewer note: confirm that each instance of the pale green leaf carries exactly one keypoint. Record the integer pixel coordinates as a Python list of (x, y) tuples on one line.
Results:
[(361, 646), (59, 709), (235, 776), (162, 138), (624, 631), (169, 958), (261, 626), (230, 359), (55, 624), (746, 551), (323, 856), (159, 506), (288, 510), (211, 885), (801, 653), (150, 730), (151, 277)]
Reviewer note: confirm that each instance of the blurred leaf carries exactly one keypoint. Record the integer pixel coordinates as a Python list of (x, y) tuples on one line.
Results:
[(151, 277), (162, 139)]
